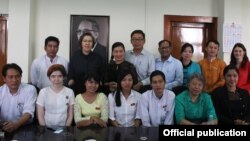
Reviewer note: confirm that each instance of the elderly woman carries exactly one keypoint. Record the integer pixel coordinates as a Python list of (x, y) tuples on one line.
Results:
[(194, 107), (157, 105), (124, 102), (232, 104), (91, 107)]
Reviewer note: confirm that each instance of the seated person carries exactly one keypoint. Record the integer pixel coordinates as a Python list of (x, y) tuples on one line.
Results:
[(124, 102), (157, 105), (91, 107), (193, 106), (17, 99), (55, 103), (232, 104)]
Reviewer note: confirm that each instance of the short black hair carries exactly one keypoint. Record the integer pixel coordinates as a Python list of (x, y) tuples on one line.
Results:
[(162, 41), (155, 73), (186, 45), (138, 31), (86, 34), (213, 41), (11, 66), (51, 38), (230, 67)]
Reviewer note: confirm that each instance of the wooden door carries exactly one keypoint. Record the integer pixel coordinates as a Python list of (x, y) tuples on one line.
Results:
[(3, 44), (192, 29)]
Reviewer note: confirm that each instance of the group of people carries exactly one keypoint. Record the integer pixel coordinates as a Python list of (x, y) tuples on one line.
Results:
[(135, 89)]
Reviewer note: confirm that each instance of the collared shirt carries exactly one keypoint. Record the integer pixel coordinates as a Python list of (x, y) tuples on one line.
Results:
[(84, 110), (173, 70), (212, 72), (193, 111), (128, 111), (13, 106), (40, 67), (155, 111), (56, 105), (144, 64)]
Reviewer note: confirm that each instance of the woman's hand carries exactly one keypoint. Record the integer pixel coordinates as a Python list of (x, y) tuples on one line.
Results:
[(98, 121), (112, 86), (71, 82)]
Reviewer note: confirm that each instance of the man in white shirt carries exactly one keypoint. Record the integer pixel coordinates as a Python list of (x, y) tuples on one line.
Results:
[(157, 105), (41, 64), (143, 61), (17, 100)]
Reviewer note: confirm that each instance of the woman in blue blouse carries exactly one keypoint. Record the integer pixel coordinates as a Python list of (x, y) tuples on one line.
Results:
[(189, 67), (194, 107)]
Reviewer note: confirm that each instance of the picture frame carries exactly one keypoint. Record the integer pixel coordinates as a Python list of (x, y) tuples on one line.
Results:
[(99, 29)]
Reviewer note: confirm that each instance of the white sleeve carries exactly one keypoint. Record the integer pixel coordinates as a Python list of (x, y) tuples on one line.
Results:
[(170, 116), (144, 110), (111, 106)]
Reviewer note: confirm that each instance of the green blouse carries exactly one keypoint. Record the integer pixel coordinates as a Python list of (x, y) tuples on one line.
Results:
[(196, 112)]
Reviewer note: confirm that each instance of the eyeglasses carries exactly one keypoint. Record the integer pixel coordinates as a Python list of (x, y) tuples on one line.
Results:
[(137, 40), (84, 31), (165, 47)]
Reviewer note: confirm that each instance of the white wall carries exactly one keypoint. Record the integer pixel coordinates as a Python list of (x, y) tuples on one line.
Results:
[(52, 17), (4, 6)]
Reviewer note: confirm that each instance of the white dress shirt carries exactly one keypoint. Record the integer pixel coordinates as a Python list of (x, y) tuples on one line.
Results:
[(40, 67), (155, 111), (127, 112), (144, 64), (56, 105), (13, 106)]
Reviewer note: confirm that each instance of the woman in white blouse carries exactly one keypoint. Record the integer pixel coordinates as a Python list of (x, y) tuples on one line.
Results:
[(123, 103), (157, 105), (55, 103)]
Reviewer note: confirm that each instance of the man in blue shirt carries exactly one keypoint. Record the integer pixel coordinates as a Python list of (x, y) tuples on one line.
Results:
[(170, 66)]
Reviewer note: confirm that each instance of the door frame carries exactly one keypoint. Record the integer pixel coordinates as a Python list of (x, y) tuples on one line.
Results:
[(3, 43), (168, 19)]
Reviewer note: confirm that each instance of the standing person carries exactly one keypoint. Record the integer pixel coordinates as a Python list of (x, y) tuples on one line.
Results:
[(232, 104), (91, 26), (91, 107), (212, 67), (143, 61), (193, 106), (84, 61), (118, 64), (170, 66), (189, 67), (240, 60), (124, 102), (157, 105), (41, 64), (55, 103), (17, 99)]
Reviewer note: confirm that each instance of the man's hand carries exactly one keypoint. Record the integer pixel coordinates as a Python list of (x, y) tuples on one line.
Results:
[(10, 126)]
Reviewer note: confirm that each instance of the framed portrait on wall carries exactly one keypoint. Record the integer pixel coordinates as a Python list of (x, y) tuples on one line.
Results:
[(98, 26)]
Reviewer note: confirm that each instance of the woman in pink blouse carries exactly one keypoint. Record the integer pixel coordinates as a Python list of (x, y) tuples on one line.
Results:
[(240, 60)]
